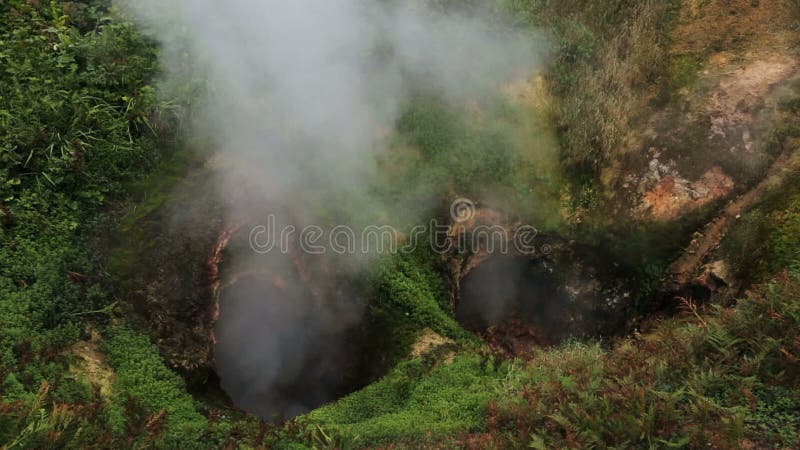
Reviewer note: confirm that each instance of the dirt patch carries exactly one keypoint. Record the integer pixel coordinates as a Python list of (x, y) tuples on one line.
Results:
[(427, 342), (89, 363), (741, 93), (713, 137), (674, 195)]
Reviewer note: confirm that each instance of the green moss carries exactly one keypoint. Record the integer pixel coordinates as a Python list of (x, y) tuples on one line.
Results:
[(417, 401), (408, 296), (683, 71), (143, 377)]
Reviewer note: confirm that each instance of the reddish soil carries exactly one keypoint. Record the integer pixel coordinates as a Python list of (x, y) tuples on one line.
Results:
[(515, 338), (673, 195), (714, 136)]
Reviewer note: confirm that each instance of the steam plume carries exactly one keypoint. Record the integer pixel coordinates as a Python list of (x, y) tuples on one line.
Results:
[(300, 89)]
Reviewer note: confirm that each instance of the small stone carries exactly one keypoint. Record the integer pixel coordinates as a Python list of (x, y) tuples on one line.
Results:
[(719, 271)]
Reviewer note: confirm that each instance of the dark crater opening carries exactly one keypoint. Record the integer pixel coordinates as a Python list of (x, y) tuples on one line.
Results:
[(276, 334), (288, 335), (517, 303), (513, 288), (270, 356)]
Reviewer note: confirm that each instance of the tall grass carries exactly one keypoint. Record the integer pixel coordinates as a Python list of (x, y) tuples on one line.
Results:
[(610, 54)]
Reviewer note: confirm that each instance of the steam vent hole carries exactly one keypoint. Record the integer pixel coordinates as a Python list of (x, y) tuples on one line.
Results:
[(515, 303), (281, 350)]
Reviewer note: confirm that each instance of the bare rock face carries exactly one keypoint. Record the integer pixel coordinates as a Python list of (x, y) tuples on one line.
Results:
[(537, 295), (712, 138), (168, 279), (173, 259), (281, 329)]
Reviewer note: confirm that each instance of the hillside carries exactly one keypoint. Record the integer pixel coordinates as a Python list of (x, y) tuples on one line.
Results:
[(644, 156)]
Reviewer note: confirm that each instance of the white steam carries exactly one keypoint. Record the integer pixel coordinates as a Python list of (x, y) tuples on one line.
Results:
[(301, 87), (302, 90)]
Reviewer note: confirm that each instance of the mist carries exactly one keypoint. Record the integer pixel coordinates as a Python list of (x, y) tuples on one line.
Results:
[(299, 93)]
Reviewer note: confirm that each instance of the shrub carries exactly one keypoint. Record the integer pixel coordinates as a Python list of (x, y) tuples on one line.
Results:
[(143, 378)]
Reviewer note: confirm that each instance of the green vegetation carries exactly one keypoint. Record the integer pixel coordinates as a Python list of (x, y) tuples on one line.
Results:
[(409, 297), (767, 239), (78, 123), (702, 380), (503, 151), (682, 73), (71, 137), (145, 386), (82, 134), (723, 378), (609, 53), (448, 398)]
